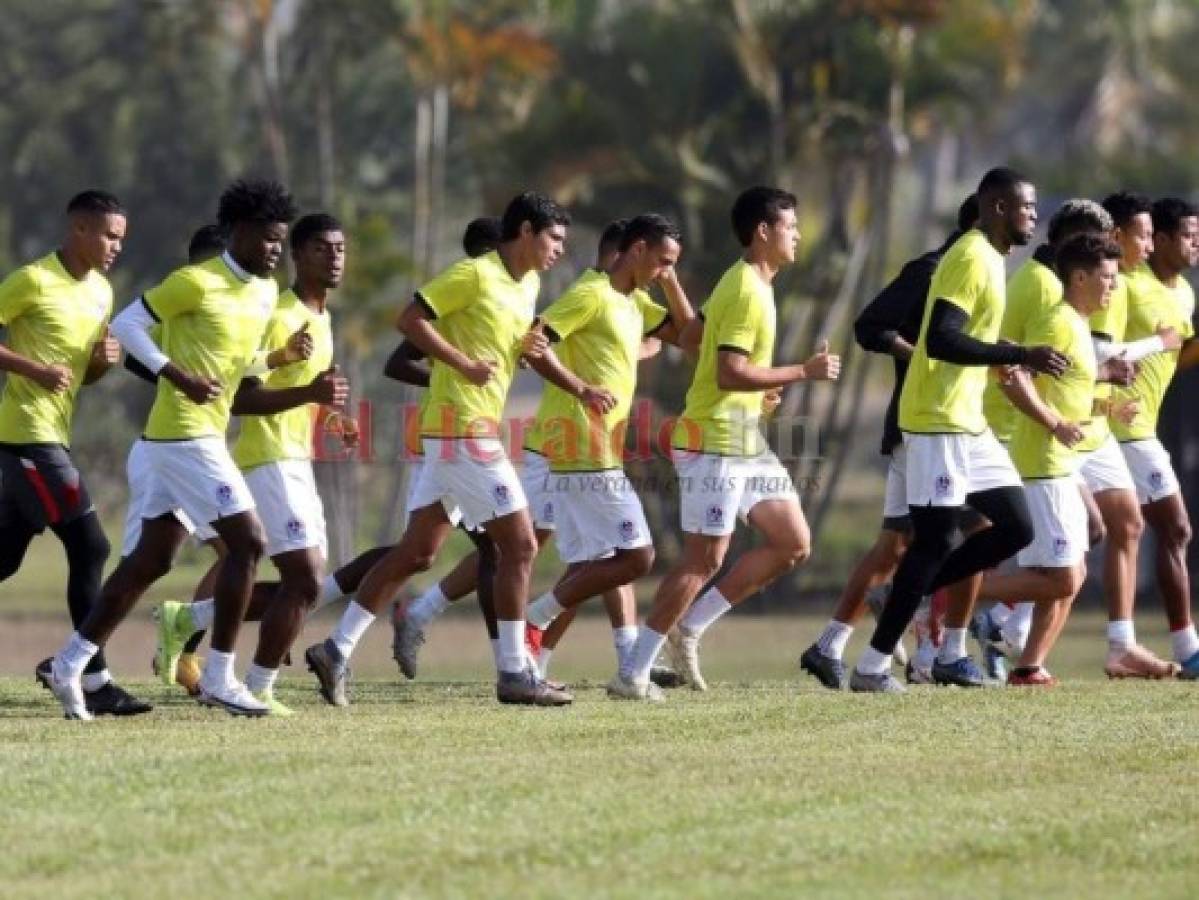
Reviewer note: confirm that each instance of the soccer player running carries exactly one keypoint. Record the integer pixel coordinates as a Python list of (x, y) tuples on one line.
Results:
[(725, 468), (215, 316), (1159, 297), (470, 321), (953, 459), (274, 452), (596, 331), (889, 324), (56, 312), (1057, 413)]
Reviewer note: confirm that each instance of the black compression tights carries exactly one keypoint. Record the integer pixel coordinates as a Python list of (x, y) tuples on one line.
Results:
[(931, 562)]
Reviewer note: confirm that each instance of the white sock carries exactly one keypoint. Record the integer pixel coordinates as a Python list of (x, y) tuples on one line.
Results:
[(1121, 634), (544, 610), (926, 655), (427, 607), (640, 658), (1184, 642), (74, 657), (704, 611), (218, 669), (999, 613), (351, 627), (495, 652), (202, 613), (331, 592), (953, 645), (873, 662), (1015, 629), (623, 638), (543, 660), (259, 679), (512, 645), (833, 639), (93, 681)]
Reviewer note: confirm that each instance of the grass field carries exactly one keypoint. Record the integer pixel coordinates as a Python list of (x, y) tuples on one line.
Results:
[(766, 786)]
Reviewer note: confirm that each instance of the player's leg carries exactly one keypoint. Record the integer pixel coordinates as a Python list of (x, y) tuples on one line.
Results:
[(1172, 527), (299, 586), (1049, 618)]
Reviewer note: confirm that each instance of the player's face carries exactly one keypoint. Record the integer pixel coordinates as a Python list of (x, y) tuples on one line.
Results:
[(1180, 250), (1135, 239), (322, 258), (782, 237), (258, 246), (1094, 287), (653, 260), (1020, 214), (100, 239), (548, 245)]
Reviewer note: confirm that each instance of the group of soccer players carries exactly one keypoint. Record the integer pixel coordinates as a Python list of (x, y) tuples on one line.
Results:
[(1021, 431)]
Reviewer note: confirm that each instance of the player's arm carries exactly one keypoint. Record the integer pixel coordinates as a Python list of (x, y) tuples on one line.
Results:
[(404, 365), (734, 371), (132, 328), (1189, 355), (105, 354), (681, 313), (253, 398), (546, 364), (947, 341), (1019, 389), (54, 378), (1165, 339), (416, 325), (876, 328), (692, 336)]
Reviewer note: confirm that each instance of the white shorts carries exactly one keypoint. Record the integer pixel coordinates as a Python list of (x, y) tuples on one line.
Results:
[(472, 474), (289, 506), (895, 495), (196, 480), (943, 469), (1104, 469), (598, 513), (535, 481), (1152, 473), (715, 490), (1059, 520), (452, 512)]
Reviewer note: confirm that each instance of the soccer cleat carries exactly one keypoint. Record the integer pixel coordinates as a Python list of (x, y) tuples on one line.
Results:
[(1031, 676), (407, 639), (274, 707), (113, 700), (174, 629), (622, 688), (68, 691), (683, 649), (828, 670), (869, 683), (917, 674), (961, 672), (234, 699), (1189, 668), (331, 670), (1138, 662), (188, 671), (665, 677), (990, 641), (527, 689)]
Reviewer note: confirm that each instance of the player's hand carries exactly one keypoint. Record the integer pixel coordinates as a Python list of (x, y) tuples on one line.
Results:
[(344, 427), (597, 399), (824, 366), (299, 346), (1046, 360), (107, 351), (771, 400), (1120, 371), (330, 388), (55, 378), (1171, 339), (534, 344), (1006, 375), (196, 388), (1067, 433), (479, 371), (668, 277), (1124, 411)]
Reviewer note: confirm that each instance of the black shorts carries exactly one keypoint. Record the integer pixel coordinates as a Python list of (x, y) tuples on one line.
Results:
[(40, 486)]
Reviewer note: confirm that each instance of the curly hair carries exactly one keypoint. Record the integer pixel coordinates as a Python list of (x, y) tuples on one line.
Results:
[(248, 200)]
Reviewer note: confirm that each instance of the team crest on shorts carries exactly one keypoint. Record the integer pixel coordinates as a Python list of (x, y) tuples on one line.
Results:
[(1061, 548), (224, 494), (715, 515), (295, 528), (1157, 479), (547, 513), (628, 530), (502, 495), (943, 485)]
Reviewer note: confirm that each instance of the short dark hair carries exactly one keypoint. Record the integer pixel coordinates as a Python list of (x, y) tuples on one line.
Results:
[(1168, 213), (95, 202), (254, 200), (207, 242), (1122, 206), (651, 228), (1000, 180), (1077, 216), (611, 236), (1084, 251), (968, 213), (482, 235), (310, 226), (757, 205), (537, 209)]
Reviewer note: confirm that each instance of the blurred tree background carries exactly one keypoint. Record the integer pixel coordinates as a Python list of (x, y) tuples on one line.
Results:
[(407, 118)]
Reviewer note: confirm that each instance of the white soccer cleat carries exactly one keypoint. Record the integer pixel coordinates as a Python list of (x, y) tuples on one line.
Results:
[(684, 656), (234, 698), (69, 692), (622, 688)]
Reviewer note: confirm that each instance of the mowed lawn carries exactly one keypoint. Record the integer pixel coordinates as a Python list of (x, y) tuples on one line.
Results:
[(765, 786)]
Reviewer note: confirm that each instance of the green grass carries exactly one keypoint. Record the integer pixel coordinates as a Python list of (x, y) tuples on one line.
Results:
[(766, 786)]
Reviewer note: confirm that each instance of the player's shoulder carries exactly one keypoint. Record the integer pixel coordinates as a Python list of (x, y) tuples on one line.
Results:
[(31, 277)]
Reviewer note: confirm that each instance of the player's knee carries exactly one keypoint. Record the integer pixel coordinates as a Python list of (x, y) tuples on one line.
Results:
[(640, 561), (794, 552), (1177, 533), (1127, 530), (249, 547), (307, 586)]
